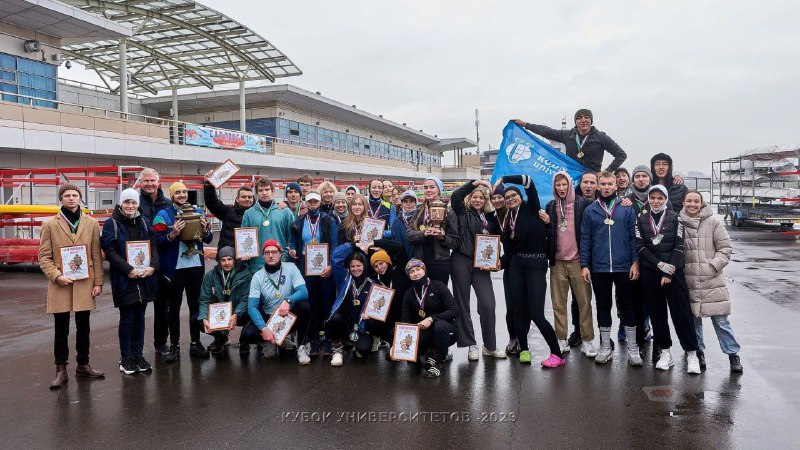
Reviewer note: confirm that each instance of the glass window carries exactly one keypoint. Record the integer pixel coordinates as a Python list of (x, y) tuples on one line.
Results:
[(8, 61)]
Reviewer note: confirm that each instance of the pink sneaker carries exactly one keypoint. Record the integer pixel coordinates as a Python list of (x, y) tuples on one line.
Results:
[(554, 361)]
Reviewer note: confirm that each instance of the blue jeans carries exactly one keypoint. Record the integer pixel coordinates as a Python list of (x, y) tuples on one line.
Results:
[(131, 329), (722, 327)]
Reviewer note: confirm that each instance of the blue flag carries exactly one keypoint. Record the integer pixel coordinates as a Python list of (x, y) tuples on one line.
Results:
[(522, 153)]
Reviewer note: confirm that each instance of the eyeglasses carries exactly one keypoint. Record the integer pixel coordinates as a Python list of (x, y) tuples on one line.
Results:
[(511, 196), (271, 252)]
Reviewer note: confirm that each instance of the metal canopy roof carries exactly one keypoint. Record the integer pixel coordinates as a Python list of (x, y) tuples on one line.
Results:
[(178, 43), (58, 20)]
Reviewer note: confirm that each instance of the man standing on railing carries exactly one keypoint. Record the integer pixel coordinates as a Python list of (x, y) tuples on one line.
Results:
[(229, 215), (151, 201)]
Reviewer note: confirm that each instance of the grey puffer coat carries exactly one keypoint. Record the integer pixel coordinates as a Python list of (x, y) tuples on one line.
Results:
[(708, 250)]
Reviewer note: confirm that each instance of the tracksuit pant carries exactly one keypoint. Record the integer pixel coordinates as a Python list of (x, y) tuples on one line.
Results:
[(464, 278)]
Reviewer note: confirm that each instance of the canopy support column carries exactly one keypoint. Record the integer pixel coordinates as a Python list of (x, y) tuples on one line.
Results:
[(123, 75), (242, 121)]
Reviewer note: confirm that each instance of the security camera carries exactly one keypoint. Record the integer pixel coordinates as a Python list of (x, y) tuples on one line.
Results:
[(68, 64), (32, 46)]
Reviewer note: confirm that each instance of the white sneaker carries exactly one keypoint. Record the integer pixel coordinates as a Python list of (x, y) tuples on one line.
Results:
[(634, 358), (665, 360), (302, 354), (604, 355), (692, 363), (337, 359), (563, 345), (473, 353), (499, 354), (376, 344), (588, 349)]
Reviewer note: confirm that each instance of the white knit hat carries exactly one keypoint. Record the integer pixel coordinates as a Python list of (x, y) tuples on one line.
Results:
[(129, 194)]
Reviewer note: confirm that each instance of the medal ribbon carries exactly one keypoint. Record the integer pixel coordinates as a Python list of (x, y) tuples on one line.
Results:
[(357, 291), (563, 212), (375, 214), (657, 228), (608, 211), (72, 226), (227, 280), (264, 213), (484, 222), (421, 299), (512, 221), (277, 285), (580, 143), (313, 227)]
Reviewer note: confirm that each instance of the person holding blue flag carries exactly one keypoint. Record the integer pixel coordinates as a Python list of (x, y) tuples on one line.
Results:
[(584, 143)]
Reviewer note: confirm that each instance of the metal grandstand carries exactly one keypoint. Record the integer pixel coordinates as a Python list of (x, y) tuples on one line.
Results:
[(176, 44)]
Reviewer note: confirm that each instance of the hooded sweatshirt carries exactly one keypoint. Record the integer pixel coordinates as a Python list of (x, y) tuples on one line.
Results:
[(567, 246), (676, 191)]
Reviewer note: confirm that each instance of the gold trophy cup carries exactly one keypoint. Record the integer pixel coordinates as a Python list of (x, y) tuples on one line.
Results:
[(192, 233)]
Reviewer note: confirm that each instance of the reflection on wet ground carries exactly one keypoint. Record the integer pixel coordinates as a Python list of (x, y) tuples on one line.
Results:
[(253, 403)]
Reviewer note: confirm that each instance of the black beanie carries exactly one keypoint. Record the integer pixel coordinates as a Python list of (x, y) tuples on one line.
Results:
[(514, 188), (499, 190)]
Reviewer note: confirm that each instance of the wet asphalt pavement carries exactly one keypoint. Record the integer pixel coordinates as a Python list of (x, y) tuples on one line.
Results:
[(253, 403)]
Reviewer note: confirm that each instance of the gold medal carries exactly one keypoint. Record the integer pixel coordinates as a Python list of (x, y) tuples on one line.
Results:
[(422, 313), (265, 223), (356, 302), (226, 292), (580, 154), (644, 211), (608, 222), (314, 241), (277, 294), (422, 228), (485, 231)]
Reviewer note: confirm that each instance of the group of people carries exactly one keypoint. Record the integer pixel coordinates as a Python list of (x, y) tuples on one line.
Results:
[(640, 237)]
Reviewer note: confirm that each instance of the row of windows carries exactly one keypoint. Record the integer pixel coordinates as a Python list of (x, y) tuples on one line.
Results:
[(27, 77), (313, 135)]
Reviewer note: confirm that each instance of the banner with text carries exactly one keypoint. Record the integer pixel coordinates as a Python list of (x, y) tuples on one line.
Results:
[(217, 138), (522, 153)]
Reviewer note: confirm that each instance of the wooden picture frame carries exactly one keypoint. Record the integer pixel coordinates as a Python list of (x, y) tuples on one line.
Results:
[(405, 345), (372, 229), (219, 316), (317, 259), (486, 252), (281, 326), (137, 253), (379, 301), (75, 262), (223, 173), (245, 241)]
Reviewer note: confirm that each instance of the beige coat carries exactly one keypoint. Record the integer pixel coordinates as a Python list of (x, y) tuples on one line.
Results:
[(708, 250), (56, 234)]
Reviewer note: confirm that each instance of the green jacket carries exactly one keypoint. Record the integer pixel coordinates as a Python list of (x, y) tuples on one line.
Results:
[(279, 228), (212, 290)]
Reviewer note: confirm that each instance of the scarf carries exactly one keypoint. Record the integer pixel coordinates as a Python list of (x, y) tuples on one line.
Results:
[(272, 269), (265, 205), (609, 199), (640, 195), (72, 216)]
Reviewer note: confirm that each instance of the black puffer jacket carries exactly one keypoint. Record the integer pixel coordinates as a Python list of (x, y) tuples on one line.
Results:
[(230, 215), (670, 247), (465, 223)]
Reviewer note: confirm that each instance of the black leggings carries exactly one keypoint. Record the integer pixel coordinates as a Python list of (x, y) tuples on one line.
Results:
[(603, 286), (440, 336), (321, 295), (61, 342), (190, 279), (674, 295), (373, 328), (529, 288), (338, 327), (438, 270), (160, 308)]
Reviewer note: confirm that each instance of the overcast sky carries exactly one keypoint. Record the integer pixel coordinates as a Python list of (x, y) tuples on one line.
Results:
[(700, 80)]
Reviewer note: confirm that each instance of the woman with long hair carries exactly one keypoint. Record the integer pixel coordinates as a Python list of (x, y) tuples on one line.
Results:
[(350, 230), (472, 216)]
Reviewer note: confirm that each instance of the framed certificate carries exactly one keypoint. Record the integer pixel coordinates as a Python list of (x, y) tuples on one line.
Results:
[(378, 302), (246, 242), (316, 259), (75, 262), (138, 255), (406, 342), (223, 173), (487, 251), (219, 315), (372, 229), (280, 326)]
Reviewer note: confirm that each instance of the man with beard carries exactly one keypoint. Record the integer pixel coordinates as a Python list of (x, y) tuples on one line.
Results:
[(229, 215)]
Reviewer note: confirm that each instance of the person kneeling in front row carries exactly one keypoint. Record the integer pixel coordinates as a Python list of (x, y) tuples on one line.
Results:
[(276, 287), (430, 305), (229, 281)]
